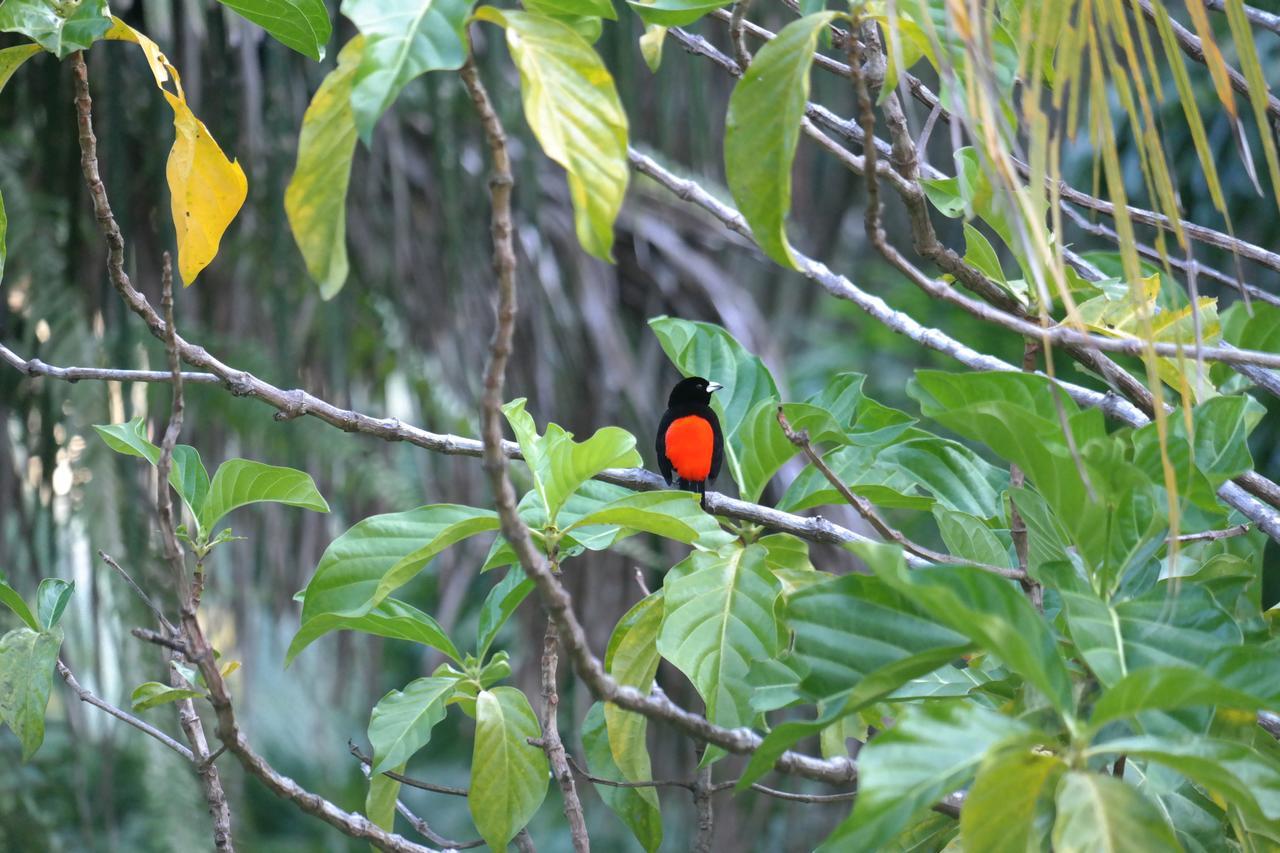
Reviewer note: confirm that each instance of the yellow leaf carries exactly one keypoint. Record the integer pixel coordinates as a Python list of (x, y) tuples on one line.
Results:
[(206, 189)]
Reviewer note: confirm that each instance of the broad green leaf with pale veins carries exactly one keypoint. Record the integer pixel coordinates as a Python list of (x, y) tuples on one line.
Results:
[(316, 199), (238, 482), (508, 776), (392, 618), (572, 106), (636, 807), (26, 676), (1099, 812), (402, 720), (402, 40), (762, 130), (59, 27), (300, 24), (1000, 810)]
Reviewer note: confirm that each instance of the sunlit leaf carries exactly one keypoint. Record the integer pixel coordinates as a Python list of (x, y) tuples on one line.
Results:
[(299, 24), (508, 776), (402, 721)]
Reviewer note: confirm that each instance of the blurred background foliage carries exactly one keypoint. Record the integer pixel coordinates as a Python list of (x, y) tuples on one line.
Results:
[(405, 338)]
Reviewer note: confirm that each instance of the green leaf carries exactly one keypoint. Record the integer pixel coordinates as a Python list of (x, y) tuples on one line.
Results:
[(363, 566), (51, 600), (187, 473), (316, 199), (239, 482), (302, 25), (930, 751), (508, 776), (1197, 820), (12, 58), (1168, 688), (498, 606), (719, 618), (27, 660), (1000, 809), (765, 448), (986, 608), (967, 537), (575, 8), (1162, 627), (1100, 812), (1246, 777), (979, 253), (403, 39), (632, 659), (762, 129), (636, 807), (671, 515), (573, 109), (565, 464), (704, 349), (10, 598), (674, 13), (151, 694), (380, 802), (402, 720), (392, 618), (59, 27)]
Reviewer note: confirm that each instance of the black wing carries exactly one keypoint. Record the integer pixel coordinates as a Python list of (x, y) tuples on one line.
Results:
[(664, 464), (717, 446)]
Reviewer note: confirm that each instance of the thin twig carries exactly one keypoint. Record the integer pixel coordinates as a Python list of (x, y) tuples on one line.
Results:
[(736, 20), (87, 696), (169, 642), (433, 787), (146, 599), (800, 438), (1214, 535), (552, 744), (704, 809), (610, 783), (421, 827)]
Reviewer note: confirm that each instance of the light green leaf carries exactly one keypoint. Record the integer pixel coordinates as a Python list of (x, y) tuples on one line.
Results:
[(1168, 688), (706, 350), (302, 25), (1000, 809), (565, 464), (402, 721), (632, 659), (380, 802), (508, 776), (719, 619), (967, 537), (392, 618), (979, 253), (931, 750), (762, 129), (316, 199), (59, 27), (988, 609), (403, 39), (765, 448), (239, 482), (674, 13), (651, 46), (10, 598), (187, 473), (1100, 812), (26, 676), (636, 807), (51, 600), (573, 109), (152, 694), (672, 515), (363, 566), (498, 606)]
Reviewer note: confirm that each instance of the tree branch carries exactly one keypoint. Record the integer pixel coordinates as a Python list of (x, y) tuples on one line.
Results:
[(552, 745), (36, 367), (86, 696), (1256, 16)]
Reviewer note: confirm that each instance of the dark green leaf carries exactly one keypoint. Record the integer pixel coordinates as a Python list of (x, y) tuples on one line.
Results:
[(10, 598), (59, 27), (302, 25)]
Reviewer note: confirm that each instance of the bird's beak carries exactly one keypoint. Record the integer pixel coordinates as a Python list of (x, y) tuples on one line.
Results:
[(713, 387)]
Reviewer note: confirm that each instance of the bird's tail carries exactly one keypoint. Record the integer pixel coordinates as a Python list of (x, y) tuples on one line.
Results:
[(697, 486)]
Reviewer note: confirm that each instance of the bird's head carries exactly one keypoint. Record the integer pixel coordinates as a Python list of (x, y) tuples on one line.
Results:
[(693, 391)]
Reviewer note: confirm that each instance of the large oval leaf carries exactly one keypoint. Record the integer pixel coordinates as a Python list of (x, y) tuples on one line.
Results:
[(508, 776), (1099, 812), (239, 482), (572, 106), (26, 676), (392, 618), (763, 127), (299, 24), (316, 198), (402, 40), (636, 807)]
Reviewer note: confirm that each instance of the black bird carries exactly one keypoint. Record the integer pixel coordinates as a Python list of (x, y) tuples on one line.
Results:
[(690, 444)]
